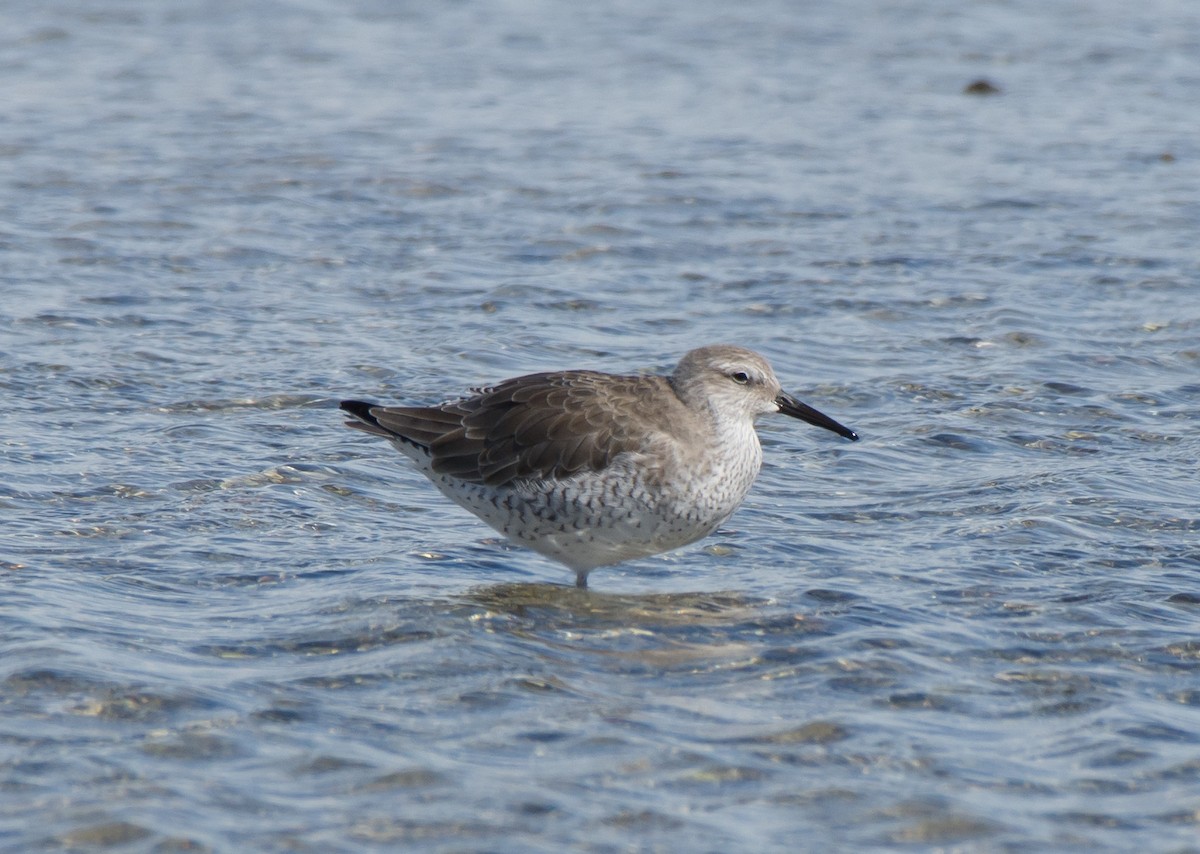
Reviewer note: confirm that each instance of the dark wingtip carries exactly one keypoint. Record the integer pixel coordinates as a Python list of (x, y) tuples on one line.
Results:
[(365, 420), (360, 409)]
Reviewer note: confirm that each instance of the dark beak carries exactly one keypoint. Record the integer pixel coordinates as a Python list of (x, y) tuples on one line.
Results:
[(788, 405)]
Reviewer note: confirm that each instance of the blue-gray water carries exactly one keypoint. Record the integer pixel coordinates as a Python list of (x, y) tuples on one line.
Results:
[(228, 623)]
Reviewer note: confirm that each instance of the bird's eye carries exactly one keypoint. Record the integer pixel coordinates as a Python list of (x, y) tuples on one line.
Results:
[(740, 377)]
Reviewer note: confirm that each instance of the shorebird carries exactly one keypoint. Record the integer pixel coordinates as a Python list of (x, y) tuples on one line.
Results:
[(592, 469)]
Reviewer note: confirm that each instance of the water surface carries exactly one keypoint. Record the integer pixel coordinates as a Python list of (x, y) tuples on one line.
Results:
[(230, 624)]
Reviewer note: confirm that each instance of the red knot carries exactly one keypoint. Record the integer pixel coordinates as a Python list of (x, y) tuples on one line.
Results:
[(592, 469)]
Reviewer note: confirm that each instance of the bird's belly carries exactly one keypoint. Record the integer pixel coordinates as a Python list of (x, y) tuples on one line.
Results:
[(599, 518)]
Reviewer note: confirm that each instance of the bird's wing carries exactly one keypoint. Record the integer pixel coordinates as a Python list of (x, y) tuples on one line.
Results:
[(537, 426)]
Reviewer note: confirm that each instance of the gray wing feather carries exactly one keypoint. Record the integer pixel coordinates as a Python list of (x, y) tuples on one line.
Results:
[(531, 427)]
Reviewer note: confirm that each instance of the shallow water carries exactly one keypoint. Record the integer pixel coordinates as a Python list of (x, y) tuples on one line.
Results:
[(230, 624)]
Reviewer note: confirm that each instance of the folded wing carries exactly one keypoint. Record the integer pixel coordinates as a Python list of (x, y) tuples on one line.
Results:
[(538, 426)]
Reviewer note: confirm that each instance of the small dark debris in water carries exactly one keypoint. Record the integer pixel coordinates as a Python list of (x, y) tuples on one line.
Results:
[(917, 700), (1167, 157), (824, 595), (982, 86), (1066, 388), (107, 835), (814, 732)]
